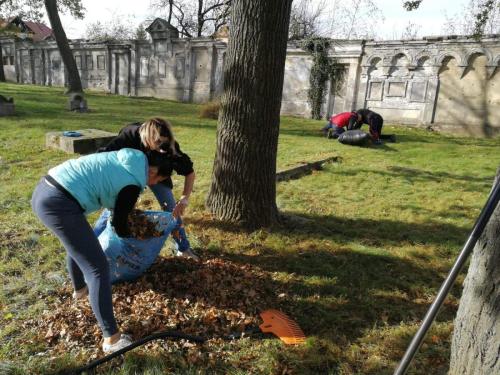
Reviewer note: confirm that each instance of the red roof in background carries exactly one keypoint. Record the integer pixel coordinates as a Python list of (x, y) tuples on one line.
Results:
[(40, 31)]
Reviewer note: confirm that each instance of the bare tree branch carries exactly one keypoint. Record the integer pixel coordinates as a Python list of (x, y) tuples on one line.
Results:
[(199, 18)]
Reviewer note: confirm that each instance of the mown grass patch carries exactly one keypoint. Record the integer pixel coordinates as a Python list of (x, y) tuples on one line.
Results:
[(365, 245)]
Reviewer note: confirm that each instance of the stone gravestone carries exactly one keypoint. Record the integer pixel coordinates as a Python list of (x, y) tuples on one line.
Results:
[(6, 106), (88, 142), (77, 103)]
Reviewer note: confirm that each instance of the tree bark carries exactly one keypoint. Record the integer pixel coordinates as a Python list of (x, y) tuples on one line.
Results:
[(74, 82), (2, 72), (475, 348), (243, 187), (199, 18), (170, 6)]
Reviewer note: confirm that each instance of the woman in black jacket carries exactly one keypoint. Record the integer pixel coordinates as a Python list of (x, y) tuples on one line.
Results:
[(156, 136)]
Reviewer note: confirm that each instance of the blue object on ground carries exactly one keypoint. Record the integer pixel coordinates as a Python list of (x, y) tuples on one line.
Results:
[(72, 133), (129, 258)]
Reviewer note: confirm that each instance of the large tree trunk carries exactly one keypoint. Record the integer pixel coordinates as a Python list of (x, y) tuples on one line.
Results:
[(2, 72), (74, 83), (243, 185), (475, 347)]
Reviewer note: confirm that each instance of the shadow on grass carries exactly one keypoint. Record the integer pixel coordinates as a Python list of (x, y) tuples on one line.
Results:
[(343, 230), (418, 175), (331, 294), (335, 297), (420, 136), (343, 293)]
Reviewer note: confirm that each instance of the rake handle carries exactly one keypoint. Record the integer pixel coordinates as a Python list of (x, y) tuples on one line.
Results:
[(477, 230)]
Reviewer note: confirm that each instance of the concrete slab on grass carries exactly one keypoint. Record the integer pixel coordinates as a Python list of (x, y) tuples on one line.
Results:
[(87, 143), (303, 169)]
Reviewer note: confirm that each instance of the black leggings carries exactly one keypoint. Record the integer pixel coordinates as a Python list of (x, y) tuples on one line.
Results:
[(87, 264), (376, 124)]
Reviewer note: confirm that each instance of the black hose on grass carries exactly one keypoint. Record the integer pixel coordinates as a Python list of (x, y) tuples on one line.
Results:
[(159, 335)]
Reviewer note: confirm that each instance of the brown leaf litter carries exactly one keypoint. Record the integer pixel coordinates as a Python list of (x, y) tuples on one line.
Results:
[(211, 298)]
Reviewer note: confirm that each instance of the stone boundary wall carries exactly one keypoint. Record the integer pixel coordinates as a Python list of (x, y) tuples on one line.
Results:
[(447, 82)]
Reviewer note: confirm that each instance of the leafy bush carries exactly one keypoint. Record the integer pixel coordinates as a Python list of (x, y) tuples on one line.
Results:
[(210, 110)]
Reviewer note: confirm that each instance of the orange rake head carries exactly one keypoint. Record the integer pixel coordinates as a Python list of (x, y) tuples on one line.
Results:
[(282, 326)]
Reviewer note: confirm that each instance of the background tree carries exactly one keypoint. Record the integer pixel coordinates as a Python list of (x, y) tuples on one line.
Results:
[(479, 11), (305, 19), (338, 19), (476, 335), (356, 19), (194, 18), (140, 32), (460, 22), (243, 187), (76, 9), (13, 8), (120, 27), (410, 31), (31, 10)]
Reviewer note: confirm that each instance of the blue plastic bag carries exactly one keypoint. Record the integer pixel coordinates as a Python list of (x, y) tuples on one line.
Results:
[(129, 258)]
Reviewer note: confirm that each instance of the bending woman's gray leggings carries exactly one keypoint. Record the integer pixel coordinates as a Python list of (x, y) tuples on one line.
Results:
[(86, 261)]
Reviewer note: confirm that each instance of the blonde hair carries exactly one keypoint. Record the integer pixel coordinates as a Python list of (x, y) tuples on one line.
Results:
[(151, 131)]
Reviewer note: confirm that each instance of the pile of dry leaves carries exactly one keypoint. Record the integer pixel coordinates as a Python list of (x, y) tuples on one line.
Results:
[(141, 227), (212, 298)]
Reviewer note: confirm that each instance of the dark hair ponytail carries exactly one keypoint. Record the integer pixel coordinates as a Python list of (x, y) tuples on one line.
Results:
[(161, 161)]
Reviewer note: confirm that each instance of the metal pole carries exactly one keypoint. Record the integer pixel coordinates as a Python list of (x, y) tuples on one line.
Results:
[(477, 230)]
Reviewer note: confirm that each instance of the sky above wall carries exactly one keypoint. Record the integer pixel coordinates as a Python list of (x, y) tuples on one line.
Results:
[(429, 18)]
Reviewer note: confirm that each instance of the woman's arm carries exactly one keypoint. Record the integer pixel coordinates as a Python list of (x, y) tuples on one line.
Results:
[(125, 202), (183, 202)]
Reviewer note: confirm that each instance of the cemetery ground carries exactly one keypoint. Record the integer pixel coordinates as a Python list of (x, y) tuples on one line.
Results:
[(364, 247)]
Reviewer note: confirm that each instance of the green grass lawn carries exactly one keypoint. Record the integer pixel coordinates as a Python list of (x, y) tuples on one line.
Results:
[(372, 238)]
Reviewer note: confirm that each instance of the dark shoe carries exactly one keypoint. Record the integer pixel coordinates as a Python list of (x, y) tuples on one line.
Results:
[(388, 137)]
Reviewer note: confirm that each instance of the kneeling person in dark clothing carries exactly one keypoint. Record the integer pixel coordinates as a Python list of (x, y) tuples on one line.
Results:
[(374, 121)]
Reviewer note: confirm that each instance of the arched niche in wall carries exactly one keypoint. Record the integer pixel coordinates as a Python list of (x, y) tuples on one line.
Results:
[(418, 85), (467, 98), (449, 100), (376, 78), (424, 66), (399, 65), (481, 92), (476, 65), (375, 66), (448, 65)]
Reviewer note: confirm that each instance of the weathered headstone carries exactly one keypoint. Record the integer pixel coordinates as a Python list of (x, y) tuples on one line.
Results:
[(77, 103), (88, 142), (6, 106)]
